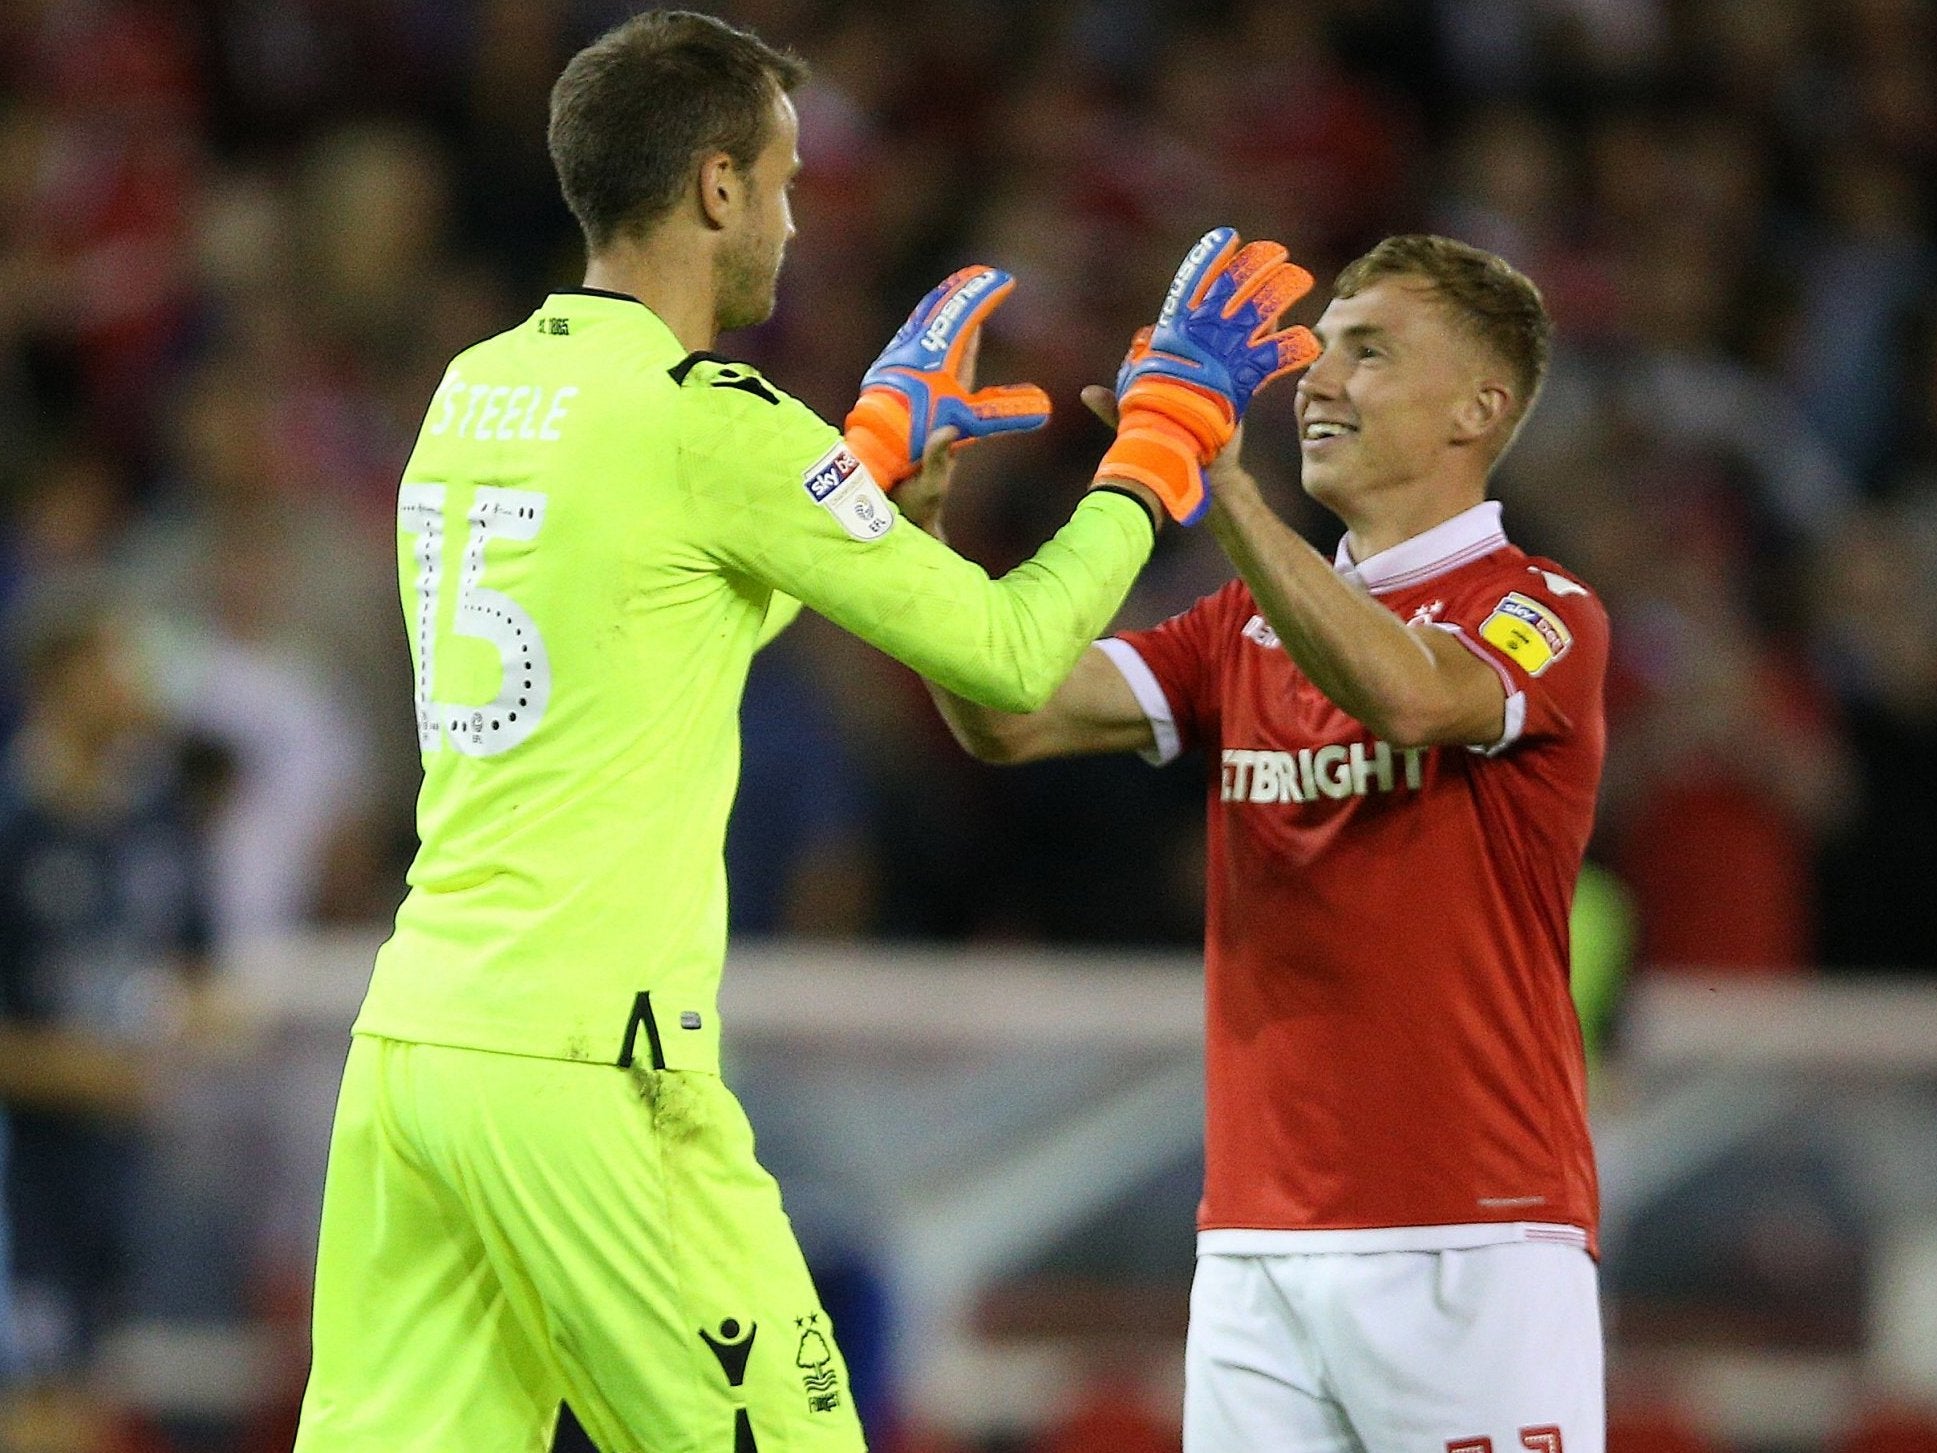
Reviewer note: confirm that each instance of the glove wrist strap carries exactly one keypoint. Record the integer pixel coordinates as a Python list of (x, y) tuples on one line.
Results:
[(1206, 418), (1157, 453), (878, 431)]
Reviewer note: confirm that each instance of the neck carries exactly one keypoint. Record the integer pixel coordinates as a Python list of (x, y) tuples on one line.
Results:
[(1388, 522), (675, 281)]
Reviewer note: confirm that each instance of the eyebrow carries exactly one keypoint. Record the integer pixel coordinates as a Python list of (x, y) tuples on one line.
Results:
[(1358, 332)]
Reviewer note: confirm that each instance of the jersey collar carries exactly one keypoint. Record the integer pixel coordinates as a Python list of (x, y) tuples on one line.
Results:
[(1466, 536), (598, 302), (597, 293)]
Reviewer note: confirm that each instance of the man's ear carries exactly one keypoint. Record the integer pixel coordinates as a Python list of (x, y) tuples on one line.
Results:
[(719, 189), (1482, 411)]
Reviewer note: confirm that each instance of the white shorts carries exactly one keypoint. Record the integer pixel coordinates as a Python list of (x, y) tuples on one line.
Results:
[(1492, 1349)]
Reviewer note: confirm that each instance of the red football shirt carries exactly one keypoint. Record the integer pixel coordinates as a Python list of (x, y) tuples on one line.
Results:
[(1391, 1049)]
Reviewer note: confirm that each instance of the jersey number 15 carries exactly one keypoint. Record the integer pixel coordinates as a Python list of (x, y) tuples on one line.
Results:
[(513, 714)]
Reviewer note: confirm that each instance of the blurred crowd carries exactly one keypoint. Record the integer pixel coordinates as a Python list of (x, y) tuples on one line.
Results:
[(239, 239)]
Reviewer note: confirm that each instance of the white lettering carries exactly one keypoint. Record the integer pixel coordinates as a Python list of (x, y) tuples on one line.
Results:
[(1206, 245), (549, 429), (1236, 766), (1288, 789), (1380, 766), (1334, 776), (500, 411), (478, 391), (935, 335), (491, 402), (1264, 777), (1337, 771), (512, 409), (447, 393)]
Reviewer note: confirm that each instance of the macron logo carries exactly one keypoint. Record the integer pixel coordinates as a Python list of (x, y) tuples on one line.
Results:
[(935, 335)]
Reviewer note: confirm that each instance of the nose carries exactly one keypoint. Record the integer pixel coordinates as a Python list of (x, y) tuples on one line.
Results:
[(1320, 381)]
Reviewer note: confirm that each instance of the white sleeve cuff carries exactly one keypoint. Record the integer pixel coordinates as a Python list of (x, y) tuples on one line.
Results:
[(1516, 712), (1167, 747), (1516, 724)]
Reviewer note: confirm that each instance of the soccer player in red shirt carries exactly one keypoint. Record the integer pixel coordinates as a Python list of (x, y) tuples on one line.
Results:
[(1397, 1237)]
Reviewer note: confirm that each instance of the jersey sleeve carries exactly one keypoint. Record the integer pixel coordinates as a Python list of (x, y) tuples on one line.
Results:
[(1172, 672), (776, 494), (1546, 635), (782, 611)]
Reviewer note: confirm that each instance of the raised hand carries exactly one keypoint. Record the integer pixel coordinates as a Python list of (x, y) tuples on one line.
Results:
[(923, 380), (1188, 378)]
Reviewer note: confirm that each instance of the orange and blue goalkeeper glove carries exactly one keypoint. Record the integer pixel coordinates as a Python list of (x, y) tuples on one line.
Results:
[(915, 387), (1186, 382)]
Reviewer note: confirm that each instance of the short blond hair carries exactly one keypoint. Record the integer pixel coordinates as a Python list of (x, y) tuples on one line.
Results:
[(1492, 299)]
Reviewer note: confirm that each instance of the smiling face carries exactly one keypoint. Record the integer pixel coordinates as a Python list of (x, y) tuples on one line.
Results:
[(1403, 400), (747, 271)]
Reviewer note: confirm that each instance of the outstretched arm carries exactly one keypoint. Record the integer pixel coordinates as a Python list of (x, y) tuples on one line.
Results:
[(1093, 710), (1414, 685)]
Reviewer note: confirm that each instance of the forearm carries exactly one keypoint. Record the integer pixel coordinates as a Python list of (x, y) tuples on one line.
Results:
[(1348, 645), (1092, 709), (983, 732), (1004, 643), (1003, 738)]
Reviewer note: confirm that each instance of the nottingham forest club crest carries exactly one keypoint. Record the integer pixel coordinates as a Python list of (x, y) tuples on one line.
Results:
[(815, 1359)]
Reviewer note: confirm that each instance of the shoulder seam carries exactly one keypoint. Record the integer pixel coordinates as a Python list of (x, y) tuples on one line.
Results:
[(746, 380), (749, 385), (691, 361)]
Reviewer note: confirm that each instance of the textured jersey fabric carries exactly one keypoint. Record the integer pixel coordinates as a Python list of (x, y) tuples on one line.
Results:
[(596, 531), (1391, 1045)]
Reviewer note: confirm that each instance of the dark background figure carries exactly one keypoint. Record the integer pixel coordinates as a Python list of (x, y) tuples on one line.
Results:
[(103, 934)]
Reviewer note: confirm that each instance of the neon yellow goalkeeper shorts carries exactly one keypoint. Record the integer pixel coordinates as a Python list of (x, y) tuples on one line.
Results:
[(501, 1232)]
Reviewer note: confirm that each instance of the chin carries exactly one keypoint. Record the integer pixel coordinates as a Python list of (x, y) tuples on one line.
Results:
[(1319, 482), (1334, 490), (748, 293), (744, 313)]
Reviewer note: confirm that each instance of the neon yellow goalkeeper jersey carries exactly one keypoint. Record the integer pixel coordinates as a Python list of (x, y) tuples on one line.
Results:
[(595, 531)]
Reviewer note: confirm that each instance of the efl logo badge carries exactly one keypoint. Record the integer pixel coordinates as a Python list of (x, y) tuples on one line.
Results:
[(1528, 632), (840, 484)]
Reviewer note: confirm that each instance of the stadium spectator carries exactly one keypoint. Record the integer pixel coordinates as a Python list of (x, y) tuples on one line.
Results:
[(1726, 766), (103, 940), (1878, 642)]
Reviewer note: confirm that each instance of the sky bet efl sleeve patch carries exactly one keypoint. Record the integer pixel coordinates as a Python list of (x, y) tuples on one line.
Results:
[(841, 485), (1529, 632)]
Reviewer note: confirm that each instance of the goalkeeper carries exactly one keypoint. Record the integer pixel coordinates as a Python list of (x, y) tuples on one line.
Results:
[(538, 1187)]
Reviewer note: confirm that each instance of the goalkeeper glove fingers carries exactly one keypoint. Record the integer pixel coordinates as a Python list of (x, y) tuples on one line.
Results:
[(1187, 380), (922, 381)]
